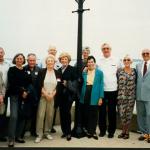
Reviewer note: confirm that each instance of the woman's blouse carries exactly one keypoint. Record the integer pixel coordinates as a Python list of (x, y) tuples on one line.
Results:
[(50, 81), (126, 84), (90, 77), (18, 80)]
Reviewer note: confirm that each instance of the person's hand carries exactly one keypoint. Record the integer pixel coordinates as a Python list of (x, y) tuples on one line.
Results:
[(1, 99), (65, 83), (100, 102), (50, 95), (54, 92), (43, 92), (24, 95)]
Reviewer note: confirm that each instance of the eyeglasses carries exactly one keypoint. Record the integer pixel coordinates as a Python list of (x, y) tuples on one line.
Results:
[(127, 60), (145, 53)]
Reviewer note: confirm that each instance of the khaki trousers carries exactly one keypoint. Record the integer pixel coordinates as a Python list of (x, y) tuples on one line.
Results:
[(44, 116)]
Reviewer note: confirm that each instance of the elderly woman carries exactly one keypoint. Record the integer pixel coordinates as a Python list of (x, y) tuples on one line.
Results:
[(126, 94), (19, 82), (46, 84), (66, 95), (91, 96)]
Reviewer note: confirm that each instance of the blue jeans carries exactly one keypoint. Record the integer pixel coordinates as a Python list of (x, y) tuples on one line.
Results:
[(16, 122)]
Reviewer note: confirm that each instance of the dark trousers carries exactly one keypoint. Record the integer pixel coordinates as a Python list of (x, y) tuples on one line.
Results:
[(3, 126), (33, 119), (89, 117), (108, 108), (30, 122), (65, 116)]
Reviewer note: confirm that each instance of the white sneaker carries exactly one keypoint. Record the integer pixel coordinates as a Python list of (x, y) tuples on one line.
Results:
[(49, 137), (38, 140)]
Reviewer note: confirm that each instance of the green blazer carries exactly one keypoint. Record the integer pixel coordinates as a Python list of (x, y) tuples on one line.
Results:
[(97, 88)]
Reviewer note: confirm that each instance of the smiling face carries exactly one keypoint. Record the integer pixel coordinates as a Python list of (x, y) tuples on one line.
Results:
[(64, 61), (50, 63), (106, 50), (1, 54), (52, 51), (31, 61), (127, 61), (91, 64), (146, 54), (85, 54), (19, 60)]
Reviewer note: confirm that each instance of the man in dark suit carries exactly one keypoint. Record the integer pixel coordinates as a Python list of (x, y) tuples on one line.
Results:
[(32, 70)]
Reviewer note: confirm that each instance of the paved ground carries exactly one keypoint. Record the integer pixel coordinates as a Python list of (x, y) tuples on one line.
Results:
[(85, 142)]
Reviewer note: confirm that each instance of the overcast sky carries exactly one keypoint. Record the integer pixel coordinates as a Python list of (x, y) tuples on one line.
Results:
[(32, 25)]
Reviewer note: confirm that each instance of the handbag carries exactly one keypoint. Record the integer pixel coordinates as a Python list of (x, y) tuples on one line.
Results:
[(2, 109)]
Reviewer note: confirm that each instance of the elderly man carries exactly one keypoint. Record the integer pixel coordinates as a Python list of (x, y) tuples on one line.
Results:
[(4, 66), (109, 66), (32, 70), (53, 51), (143, 96), (85, 55)]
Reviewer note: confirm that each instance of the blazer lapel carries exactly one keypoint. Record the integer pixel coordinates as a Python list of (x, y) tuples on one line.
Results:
[(140, 69), (95, 77)]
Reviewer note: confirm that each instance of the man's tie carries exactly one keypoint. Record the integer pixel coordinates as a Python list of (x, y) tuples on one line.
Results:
[(145, 68)]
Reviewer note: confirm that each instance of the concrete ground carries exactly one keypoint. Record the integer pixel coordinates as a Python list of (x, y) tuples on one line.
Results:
[(102, 142)]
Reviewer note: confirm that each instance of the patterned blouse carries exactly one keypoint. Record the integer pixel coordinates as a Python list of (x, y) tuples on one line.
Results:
[(126, 84)]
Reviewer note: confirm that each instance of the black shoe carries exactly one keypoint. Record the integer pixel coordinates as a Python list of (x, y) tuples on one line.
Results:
[(3, 139), (63, 136), (95, 137), (19, 140), (148, 140), (88, 135), (53, 130), (68, 137), (110, 135), (141, 138), (101, 134), (11, 143)]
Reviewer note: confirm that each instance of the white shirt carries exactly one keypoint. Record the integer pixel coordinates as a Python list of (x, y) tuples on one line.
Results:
[(50, 81), (148, 63), (109, 67), (4, 69)]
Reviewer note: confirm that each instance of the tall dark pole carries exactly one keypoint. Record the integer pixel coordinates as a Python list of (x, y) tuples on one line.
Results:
[(77, 131)]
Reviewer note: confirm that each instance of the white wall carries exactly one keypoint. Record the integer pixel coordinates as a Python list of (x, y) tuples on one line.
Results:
[(32, 25)]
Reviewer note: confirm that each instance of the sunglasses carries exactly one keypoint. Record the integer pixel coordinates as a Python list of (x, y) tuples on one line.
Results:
[(127, 60), (145, 53)]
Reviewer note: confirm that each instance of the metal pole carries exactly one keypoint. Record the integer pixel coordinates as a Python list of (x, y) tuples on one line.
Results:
[(77, 131)]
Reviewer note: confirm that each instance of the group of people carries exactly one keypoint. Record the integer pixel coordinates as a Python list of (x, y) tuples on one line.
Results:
[(36, 92)]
